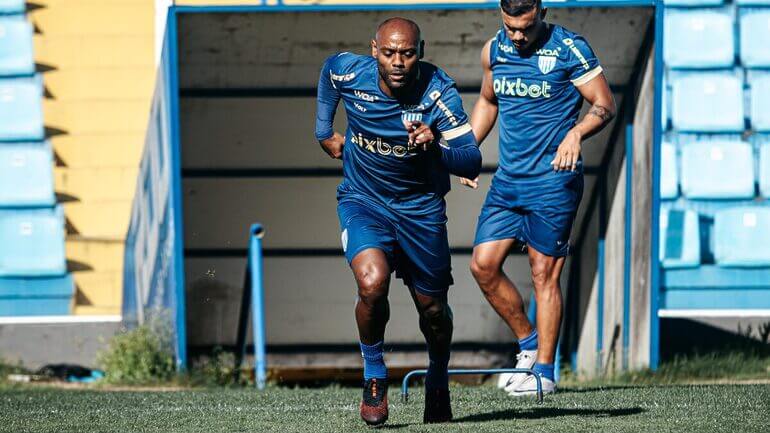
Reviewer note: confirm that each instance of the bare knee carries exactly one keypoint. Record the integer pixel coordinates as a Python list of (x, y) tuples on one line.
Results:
[(545, 280), (372, 284), (485, 271)]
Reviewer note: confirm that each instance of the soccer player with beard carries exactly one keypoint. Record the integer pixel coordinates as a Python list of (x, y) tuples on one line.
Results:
[(536, 77), (391, 200)]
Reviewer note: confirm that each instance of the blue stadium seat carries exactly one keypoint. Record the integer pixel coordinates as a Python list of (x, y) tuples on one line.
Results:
[(693, 2), (16, 47), (717, 168), (32, 242), (679, 238), (742, 237), (707, 102), (669, 175), (755, 37), (12, 6), (760, 99), (753, 2), (41, 296), (665, 100), (699, 38), (764, 167), (21, 109), (26, 175)]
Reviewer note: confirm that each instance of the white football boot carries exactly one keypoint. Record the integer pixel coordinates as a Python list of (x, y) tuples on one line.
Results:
[(529, 387), (524, 359)]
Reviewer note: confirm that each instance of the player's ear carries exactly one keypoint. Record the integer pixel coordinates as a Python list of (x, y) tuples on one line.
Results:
[(422, 50), (374, 48)]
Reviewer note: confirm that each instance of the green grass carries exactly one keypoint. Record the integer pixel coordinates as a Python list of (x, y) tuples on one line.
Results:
[(681, 408)]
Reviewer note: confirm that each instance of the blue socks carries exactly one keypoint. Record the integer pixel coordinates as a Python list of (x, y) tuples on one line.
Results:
[(529, 342), (374, 366), (437, 377), (544, 370)]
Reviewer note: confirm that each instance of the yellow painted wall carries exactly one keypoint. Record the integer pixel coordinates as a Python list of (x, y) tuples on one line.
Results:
[(99, 72)]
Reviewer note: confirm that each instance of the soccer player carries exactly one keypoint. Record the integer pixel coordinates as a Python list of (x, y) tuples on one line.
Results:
[(536, 77), (391, 200)]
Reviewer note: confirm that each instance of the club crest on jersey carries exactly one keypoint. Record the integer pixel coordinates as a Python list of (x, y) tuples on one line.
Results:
[(408, 117), (546, 63)]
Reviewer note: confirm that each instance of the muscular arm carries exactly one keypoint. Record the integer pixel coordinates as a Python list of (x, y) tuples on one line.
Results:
[(597, 93), (484, 112)]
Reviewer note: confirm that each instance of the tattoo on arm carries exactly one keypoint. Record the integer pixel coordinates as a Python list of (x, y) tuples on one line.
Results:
[(601, 112)]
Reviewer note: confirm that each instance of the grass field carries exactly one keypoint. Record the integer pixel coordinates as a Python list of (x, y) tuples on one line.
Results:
[(680, 408)]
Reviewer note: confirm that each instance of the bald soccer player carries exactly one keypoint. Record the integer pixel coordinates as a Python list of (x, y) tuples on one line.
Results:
[(536, 77), (391, 200)]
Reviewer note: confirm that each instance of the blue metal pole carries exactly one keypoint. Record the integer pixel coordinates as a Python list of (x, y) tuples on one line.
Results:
[(600, 307), (627, 244), (257, 305)]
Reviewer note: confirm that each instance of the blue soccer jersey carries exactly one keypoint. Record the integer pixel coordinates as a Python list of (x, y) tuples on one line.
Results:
[(377, 160), (537, 97)]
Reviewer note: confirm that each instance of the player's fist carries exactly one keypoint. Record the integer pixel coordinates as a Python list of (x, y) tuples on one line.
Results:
[(333, 145), (470, 183), (420, 135), (568, 153)]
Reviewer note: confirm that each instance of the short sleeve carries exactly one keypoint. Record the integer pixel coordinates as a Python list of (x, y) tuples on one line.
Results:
[(583, 64)]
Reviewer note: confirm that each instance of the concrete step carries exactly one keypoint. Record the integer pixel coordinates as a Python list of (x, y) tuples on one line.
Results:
[(103, 83), (89, 185), (65, 52), (100, 220), (94, 254), (119, 116), (79, 17), (99, 150), (98, 293)]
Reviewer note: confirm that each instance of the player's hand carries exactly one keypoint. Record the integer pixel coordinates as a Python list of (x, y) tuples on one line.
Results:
[(568, 153), (333, 145), (420, 135), (470, 183)]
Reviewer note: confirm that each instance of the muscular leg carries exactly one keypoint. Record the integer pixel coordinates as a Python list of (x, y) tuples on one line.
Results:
[(436, 325), (372, 273), (487, 269), (546, 271)]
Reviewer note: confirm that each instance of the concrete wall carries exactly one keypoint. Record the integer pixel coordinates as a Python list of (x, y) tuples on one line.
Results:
[(226, 59)]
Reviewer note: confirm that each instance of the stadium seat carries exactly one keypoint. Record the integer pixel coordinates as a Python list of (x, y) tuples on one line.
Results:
[(707, 102), (764, 167), (755, 37), (753, 2), (742, 237), (699, 38), (32, 242), (760, 101), (665, 100), (693, 2), (717, 168), (16, 47), (21, 109), (669, 175), (679, 238), (41, 296), (12, 6), (26, 175)]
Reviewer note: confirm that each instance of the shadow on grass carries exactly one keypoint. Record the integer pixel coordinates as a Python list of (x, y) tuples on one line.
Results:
[(547, 412)]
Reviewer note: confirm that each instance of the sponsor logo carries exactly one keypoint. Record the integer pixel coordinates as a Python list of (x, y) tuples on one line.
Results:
[(359, 107), (365, 96), (517, 87), (501, 59), (343, 78), (379, 146), (504, 48), (546, 63), (571, 44), (547, 52), (436, 95)]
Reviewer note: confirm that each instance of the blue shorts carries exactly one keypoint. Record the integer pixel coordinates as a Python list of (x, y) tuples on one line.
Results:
[(538, 211), (417, 248)]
